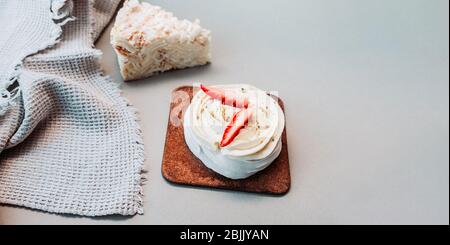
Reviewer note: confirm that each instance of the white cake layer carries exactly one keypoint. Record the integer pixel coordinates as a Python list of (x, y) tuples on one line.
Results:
[(149, 40)]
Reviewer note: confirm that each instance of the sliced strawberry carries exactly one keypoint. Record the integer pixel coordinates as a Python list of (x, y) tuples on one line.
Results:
[(239, 121), (226, 98)]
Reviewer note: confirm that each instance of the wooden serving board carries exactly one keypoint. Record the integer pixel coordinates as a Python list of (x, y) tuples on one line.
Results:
[(180, 166)]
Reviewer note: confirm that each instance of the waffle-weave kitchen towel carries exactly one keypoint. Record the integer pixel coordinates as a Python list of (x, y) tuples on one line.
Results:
[(69, 143)]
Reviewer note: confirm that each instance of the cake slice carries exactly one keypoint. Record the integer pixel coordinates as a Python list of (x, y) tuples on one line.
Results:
[(149, 40)]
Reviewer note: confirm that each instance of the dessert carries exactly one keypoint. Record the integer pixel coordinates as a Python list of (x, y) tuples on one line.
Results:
[(181, 167), (235, 130), (148, 40)]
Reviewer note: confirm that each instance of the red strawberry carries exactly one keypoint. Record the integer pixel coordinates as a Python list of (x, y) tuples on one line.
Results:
[(226, 98), (239, 121)]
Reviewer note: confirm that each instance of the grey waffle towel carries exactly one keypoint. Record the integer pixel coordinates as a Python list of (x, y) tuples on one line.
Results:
[(69, 143)]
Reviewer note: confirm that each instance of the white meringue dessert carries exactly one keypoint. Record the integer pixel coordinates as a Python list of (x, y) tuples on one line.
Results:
[(149, 40), (235, 137)]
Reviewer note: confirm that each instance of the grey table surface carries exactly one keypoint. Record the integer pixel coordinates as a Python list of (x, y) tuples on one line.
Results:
[(366, 88)]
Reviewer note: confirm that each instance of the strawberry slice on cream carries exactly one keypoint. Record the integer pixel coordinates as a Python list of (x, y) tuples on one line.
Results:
[(239, 121), (226, 97)]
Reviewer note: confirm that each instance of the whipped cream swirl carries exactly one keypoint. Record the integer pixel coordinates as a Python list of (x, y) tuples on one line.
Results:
[(255, 147)]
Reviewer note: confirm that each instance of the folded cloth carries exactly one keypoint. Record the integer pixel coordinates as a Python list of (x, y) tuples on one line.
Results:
[(69, 143)]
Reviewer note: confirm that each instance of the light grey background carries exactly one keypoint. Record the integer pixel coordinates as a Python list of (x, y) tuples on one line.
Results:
[(366, 88)]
